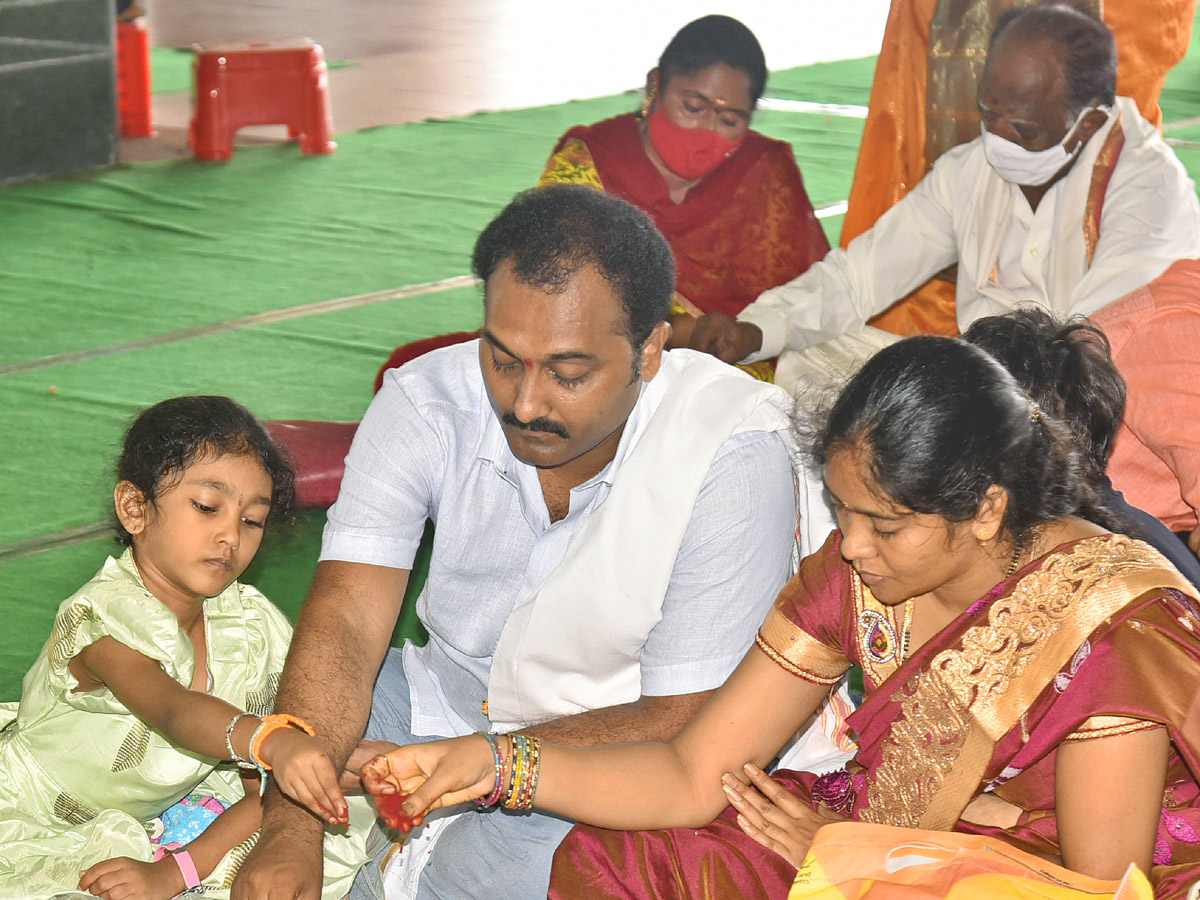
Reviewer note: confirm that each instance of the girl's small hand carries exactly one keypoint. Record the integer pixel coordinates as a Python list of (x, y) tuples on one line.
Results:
[(128, 879), (774, 816), (436, 774), (302, 770)]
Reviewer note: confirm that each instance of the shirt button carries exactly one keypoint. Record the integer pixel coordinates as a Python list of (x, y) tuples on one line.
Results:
[(1033, 251)]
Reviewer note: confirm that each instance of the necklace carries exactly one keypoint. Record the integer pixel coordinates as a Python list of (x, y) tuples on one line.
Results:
[(1016, 560), (908, 617)]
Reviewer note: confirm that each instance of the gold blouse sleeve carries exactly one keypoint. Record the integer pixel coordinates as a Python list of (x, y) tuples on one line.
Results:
[(799, 652)]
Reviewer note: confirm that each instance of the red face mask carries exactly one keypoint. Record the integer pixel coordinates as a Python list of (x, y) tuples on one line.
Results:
[(690, 153)]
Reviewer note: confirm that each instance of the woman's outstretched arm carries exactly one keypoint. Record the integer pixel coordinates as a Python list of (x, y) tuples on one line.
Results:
[(626, 786)]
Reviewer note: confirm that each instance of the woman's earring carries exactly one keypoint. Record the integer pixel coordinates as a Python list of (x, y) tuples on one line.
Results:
[(646, 104), (983, 539)]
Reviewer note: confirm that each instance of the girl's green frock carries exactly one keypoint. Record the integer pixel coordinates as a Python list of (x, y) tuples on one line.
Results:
[(81, 777)]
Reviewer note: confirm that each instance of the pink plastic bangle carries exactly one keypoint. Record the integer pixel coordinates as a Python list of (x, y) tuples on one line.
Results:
[(187, 867)]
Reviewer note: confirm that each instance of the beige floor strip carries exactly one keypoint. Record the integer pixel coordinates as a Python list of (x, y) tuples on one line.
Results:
[(52, 541), (264, 318)]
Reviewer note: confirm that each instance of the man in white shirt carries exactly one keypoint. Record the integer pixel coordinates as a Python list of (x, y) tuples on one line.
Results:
[(1069, 199), (612, 525)]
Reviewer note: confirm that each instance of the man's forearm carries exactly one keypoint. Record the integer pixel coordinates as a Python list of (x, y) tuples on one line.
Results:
[(336, 652), (337, 649), (647, 719), (327, 681), (281, 813)]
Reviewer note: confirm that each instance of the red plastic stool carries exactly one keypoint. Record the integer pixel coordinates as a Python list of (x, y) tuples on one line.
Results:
[(133, 80), (260, 83)]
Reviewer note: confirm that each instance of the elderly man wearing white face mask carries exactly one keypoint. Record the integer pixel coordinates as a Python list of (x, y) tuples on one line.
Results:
[(1069, 199)]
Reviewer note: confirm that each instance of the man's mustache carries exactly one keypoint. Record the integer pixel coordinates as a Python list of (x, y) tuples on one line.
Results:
[(540, 425)]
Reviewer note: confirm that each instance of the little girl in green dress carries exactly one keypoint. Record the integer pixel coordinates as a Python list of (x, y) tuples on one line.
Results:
[(158, 672)]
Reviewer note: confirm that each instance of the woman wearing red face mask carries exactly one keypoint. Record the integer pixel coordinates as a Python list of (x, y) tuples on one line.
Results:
[(729, 201)]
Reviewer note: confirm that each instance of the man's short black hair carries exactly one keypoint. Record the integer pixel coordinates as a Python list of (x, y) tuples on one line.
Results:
[(1087, 51), (550, 233)]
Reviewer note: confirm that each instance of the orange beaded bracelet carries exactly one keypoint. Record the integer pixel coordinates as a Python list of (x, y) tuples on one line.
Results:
[(266, 727)]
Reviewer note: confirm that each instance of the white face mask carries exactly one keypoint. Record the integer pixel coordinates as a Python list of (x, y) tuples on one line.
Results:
[(1030, 168)]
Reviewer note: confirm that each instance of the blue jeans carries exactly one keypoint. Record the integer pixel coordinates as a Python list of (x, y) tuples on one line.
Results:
[(496, 853)]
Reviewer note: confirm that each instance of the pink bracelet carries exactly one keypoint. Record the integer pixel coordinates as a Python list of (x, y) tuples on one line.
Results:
[(187, 868)]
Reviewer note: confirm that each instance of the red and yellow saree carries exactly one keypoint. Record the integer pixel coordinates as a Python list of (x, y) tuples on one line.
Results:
[(745, 228), (1098, 637)]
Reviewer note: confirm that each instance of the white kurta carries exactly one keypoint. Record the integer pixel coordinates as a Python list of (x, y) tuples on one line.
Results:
[(1008, 255)]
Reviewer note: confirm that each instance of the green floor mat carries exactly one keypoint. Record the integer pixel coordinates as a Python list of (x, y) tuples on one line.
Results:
[(170, 70), (157, 247), (55, 473), (846, 82), (147, 250), (1180, 98)]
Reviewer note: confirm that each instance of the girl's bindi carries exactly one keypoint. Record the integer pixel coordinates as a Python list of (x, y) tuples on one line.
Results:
[(240, 501), (528, 363)]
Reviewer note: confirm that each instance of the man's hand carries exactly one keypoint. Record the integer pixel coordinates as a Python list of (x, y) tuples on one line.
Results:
[(725, 338), (286, 863), (681, 331)]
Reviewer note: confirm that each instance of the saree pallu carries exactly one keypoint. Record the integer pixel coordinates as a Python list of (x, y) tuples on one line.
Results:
[(879, 862), (1096, 638), (923, 102), (746, 227)]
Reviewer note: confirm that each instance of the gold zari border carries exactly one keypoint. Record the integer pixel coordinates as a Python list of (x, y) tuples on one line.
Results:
[(1108, 726), (1102, 171), (970, 696), (799, 652)]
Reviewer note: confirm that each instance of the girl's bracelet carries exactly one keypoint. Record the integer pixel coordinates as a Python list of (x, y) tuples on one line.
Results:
[(187, 868), (266, 726), (242, 761)]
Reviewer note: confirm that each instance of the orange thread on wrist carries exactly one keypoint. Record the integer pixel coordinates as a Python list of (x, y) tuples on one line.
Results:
[(268, 726)]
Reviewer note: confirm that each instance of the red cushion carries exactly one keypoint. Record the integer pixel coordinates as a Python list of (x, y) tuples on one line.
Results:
[(407, 352), (318, 453)]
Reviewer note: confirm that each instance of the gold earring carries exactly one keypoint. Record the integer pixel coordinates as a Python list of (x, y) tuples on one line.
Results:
[(647, 103), (982, 537)]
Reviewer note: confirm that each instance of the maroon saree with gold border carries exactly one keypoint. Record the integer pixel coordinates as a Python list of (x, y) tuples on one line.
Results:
[(746, 227), (1098, 637)]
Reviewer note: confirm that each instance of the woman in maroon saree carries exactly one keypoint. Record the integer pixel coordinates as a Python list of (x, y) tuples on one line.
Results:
[(1029, 675)]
